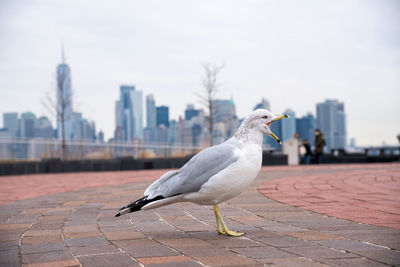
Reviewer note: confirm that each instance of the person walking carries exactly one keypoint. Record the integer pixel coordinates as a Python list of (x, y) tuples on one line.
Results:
[(319, 145)]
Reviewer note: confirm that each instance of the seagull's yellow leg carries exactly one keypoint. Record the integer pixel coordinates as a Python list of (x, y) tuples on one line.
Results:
[(219, 229), (220, 222)]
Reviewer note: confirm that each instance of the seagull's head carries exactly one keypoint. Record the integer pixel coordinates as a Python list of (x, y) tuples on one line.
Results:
[(260, 120)]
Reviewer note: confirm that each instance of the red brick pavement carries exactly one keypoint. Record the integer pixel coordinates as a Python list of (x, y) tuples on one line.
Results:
[(14, 188), (78, 228), (370, 196)]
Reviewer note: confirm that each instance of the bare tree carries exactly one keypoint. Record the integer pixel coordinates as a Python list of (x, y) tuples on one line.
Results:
[(58, 103), (208, 95)]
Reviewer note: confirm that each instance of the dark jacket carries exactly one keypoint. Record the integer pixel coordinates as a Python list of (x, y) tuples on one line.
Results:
[(308, 149), (319, 143)]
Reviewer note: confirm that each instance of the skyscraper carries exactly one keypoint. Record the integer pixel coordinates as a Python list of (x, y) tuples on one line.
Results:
[(64, 101), (288, 125), (137, 101), (305, 126), (126, 112), (27, 126), (162, 116), (264, 104), (131, 112), (224, 110), (11, 122), (191, 112), (44, 128), (118, 121), (150, 112), (331, 120)]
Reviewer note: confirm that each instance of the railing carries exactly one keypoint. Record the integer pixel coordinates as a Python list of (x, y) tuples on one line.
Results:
[(13, 149)]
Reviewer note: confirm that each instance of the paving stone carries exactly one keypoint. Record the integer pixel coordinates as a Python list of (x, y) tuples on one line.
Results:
[(43, 232), (42, 247), (8, 245), (12, 226), (164, 260), (9, 260), (10, 235), (109, 260), (350, 245), (70, 263), (10, 253), (72, 235), (319, 252), (54, 256), (176, 264), (387, 256), (292, 262), (284, 242), (205, 251), (228, 260), (263, 252), (123, 235), (41, 239), (86, 241), (80, 228), (353, 262), (313, 235), (235, 242), (183, 242), (93, 250)]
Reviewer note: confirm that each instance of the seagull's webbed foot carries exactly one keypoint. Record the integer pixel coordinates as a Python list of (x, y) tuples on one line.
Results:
[(221, 227)]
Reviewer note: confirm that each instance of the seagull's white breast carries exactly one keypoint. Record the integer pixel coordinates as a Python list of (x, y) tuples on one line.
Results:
[(231, 181)]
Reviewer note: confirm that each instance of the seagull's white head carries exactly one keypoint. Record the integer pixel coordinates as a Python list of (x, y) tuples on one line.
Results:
[(257, 124)]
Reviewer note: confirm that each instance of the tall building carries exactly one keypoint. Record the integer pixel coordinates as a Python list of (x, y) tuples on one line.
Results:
[(151, 114), (305, 126), (224, 110), (137, 101), (162, 116), (11, 123), (331, 120), (118, 121), (43, 128), (288, 125), (173, 135), (191, 112), (27, 125), (131, 112), (64, 100), (264, 104), (126, 112), (101, 136)]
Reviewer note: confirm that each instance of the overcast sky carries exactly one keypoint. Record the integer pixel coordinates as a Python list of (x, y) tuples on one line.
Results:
[(293, 53)]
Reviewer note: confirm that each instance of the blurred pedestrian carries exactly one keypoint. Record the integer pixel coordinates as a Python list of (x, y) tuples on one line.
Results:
[(319, 145), (300, 151), (307, 153)]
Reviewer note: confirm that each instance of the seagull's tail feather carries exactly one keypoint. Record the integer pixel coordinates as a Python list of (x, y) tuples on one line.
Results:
[(137, 205)]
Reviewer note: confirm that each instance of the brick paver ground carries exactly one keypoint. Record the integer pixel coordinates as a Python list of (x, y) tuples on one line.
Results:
[(366, 196), (68, 220)]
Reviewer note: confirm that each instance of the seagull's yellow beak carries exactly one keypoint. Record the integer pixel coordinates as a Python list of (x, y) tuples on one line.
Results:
[(277, 119)]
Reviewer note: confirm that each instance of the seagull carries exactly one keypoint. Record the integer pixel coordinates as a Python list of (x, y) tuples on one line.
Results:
[(216, 174)]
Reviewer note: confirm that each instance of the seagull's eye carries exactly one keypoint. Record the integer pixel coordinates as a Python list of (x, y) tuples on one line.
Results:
[(265, 117)]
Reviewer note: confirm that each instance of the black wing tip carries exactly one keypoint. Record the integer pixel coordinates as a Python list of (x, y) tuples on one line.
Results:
[(118, 214)]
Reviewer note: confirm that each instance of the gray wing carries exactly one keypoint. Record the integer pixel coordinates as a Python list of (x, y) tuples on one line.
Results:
[(195, 173)]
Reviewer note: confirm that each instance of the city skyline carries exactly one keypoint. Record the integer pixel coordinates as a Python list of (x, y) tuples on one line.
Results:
[(293, 54)]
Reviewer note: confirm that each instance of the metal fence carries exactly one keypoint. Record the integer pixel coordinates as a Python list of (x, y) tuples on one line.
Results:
[(12, 149)]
